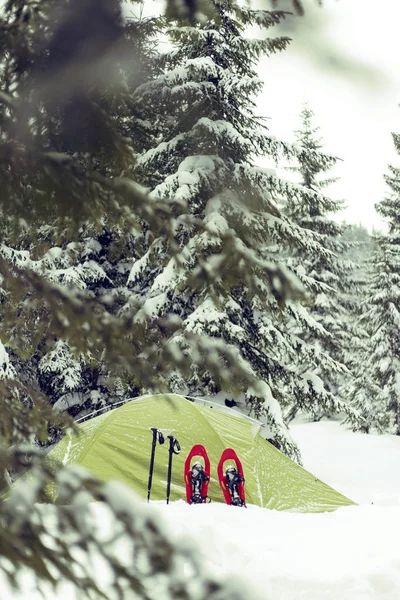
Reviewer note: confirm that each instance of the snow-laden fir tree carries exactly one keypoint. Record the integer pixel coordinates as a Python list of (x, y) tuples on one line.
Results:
[(86, 257), (217, 272), (328, 277), (95, 267), (359, 250), (376, 390)]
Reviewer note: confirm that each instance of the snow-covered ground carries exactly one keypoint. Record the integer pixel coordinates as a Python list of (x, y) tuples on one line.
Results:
[(351, 554), (366, 468)]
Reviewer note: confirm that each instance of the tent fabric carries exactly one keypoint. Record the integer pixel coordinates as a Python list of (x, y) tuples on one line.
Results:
[(117, 446)]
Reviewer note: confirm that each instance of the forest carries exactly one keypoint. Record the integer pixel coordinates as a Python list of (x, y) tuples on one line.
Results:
[(144, 249)]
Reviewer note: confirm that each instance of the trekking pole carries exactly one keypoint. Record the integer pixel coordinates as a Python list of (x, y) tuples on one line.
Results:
[(157, 435), (174, 448)]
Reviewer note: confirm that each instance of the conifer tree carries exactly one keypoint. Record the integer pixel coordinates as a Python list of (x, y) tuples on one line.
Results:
[(359, 249), (87, 256), (376, 390), (329, 277), (209, 135)]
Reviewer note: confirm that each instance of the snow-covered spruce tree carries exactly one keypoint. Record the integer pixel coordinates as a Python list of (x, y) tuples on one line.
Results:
[(219, 274), (87, 257), (376, 390), (95, 267), (360, 248), (329, 277)]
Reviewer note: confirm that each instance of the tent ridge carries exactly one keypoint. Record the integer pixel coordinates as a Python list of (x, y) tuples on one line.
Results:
[(224, 409)]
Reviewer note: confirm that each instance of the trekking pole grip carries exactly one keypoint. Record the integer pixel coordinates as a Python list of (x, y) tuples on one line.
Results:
[(174, 445)]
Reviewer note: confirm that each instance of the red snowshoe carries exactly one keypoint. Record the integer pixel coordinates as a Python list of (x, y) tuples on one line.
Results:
[(232, 482), (197, 476)]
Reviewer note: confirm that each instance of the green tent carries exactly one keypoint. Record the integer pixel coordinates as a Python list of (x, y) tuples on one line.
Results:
[(117, 445)]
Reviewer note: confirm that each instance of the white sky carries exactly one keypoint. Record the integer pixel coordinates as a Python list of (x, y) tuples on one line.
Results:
[(344, 61)]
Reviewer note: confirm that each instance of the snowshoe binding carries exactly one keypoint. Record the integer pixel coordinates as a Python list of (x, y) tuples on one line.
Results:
[(197, 476), (232, 482)]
